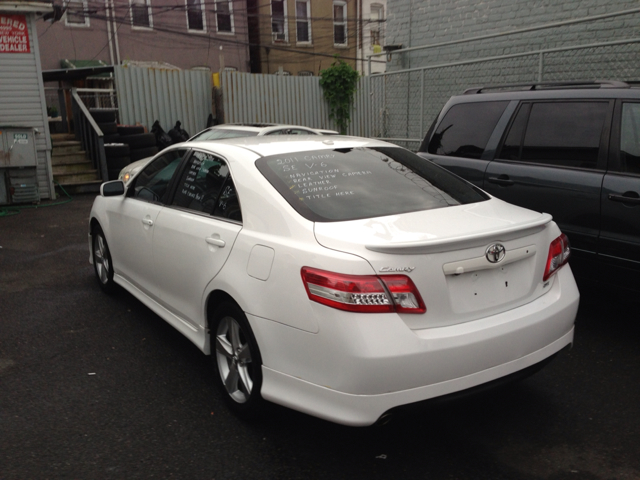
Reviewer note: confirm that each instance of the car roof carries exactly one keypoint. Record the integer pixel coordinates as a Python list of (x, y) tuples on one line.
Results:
[(602, 89), (284, 144)]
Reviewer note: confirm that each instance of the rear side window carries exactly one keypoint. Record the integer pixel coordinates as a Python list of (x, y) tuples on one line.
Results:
[(201, 182), (630, 138), (465, 129), (354, 183), (565, 134)]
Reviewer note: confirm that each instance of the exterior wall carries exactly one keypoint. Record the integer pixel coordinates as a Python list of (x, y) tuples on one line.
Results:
[(414, 23), (167, 40), (294, 57), (22, 102)]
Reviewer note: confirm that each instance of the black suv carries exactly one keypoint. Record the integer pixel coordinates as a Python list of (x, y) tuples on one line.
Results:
[(568, 149)]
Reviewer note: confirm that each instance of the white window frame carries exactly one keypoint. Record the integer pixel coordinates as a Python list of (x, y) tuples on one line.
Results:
[(342, 23), (202, 13), (307, 20), (132, 3), (376, 25), (233, 28), (73, 5), (276, 37)]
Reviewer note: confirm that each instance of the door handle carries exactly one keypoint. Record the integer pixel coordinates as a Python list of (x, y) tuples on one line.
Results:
[(147, 221), (218, 242), (503, 180), (625, 199)]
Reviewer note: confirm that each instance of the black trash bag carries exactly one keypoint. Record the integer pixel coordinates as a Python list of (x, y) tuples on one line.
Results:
[(163, 140), (211, 121), (177, 134)]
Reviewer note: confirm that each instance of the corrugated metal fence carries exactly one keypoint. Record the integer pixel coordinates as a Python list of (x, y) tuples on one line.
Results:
[(255, 98), (148, 94)]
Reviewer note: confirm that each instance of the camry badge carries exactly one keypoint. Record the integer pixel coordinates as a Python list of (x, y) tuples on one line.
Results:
[(398, 269), (495, 253)]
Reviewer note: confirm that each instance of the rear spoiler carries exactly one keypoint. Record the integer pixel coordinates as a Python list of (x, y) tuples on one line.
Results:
[(444, 244)]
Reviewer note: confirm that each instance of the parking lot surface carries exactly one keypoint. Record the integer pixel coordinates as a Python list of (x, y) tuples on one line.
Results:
[(97, 386)]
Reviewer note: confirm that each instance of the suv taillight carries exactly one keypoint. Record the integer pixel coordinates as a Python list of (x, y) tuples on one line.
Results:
[(559, 252), (363, 293)]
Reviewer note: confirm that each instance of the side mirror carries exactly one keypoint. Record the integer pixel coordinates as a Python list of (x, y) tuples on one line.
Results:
[(112, 189)]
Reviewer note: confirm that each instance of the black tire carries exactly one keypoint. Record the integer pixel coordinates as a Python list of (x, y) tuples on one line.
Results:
[(140, 140), (140, 153), (112, 138), (126, 130), (102, 264), (108, 128), (237, 361), (120, 150), (103, 116), (118, 163)]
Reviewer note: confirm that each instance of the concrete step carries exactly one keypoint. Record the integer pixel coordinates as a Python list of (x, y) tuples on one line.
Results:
[(74, 188), (77, 177), (65, 158), (72, 167), (66, 147), (62, 137)]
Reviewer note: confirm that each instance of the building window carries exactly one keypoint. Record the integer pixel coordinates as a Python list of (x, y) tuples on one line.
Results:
[(195, 15), (76, 13), (375, 24), (141, 13), (303, 21), (339, 23), (278, 20), (224, 16), (305, 73)]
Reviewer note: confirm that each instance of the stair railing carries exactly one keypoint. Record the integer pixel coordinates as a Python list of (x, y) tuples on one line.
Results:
[(89, 134)]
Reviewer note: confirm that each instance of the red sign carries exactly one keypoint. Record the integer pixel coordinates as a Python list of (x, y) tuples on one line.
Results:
[(14, 35)]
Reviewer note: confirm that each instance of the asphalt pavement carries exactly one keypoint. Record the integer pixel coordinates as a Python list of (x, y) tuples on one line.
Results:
[(94, 386)]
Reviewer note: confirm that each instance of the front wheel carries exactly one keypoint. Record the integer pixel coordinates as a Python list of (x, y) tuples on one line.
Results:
[(237, 361), (102, 264)]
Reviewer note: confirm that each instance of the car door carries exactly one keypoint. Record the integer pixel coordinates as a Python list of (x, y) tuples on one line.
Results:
[(553, 160), (195, 234), (132, 221), (619, 242)]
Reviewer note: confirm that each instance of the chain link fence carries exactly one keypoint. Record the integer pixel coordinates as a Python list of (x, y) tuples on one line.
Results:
[(406, 102)]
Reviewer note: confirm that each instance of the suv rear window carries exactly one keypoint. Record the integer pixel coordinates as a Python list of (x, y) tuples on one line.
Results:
[(465, 129), (354, 183)]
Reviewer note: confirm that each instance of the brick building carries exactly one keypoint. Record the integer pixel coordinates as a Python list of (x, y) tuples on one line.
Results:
[(184, 33)]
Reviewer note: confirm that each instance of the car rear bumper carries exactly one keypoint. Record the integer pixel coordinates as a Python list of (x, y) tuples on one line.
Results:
[(382, 364), (364, 410)]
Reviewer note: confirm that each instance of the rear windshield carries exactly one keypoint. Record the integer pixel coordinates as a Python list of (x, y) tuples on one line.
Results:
[(218, 133), (355, 183)]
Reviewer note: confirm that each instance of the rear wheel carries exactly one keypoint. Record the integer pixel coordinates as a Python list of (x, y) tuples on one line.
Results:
[(237, 360), (102, 264)]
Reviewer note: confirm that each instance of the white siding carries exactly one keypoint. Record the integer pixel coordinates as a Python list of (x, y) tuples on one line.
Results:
[(22, 102)]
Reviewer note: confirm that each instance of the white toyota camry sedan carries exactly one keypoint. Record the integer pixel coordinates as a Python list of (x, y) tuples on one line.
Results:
[(338, 276)]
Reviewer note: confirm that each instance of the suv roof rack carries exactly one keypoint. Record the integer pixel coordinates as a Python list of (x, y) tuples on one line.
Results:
[(549, 86)]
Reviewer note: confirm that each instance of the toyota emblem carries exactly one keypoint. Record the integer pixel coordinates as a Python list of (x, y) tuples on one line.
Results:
[(495, 253)]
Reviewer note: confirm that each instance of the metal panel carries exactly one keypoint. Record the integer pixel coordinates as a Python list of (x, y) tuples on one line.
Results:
[(249, 98), (148, 94), (22, 103)]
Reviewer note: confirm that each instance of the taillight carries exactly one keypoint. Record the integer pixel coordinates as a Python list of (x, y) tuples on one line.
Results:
[(363, 293), (559, 252)]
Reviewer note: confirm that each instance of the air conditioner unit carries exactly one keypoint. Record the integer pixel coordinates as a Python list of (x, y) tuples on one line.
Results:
[(279, 37)]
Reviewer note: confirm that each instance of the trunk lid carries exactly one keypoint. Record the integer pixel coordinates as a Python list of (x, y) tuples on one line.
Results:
[(445, 253)]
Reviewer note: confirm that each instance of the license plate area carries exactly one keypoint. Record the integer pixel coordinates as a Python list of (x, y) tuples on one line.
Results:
[(490, 288)]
